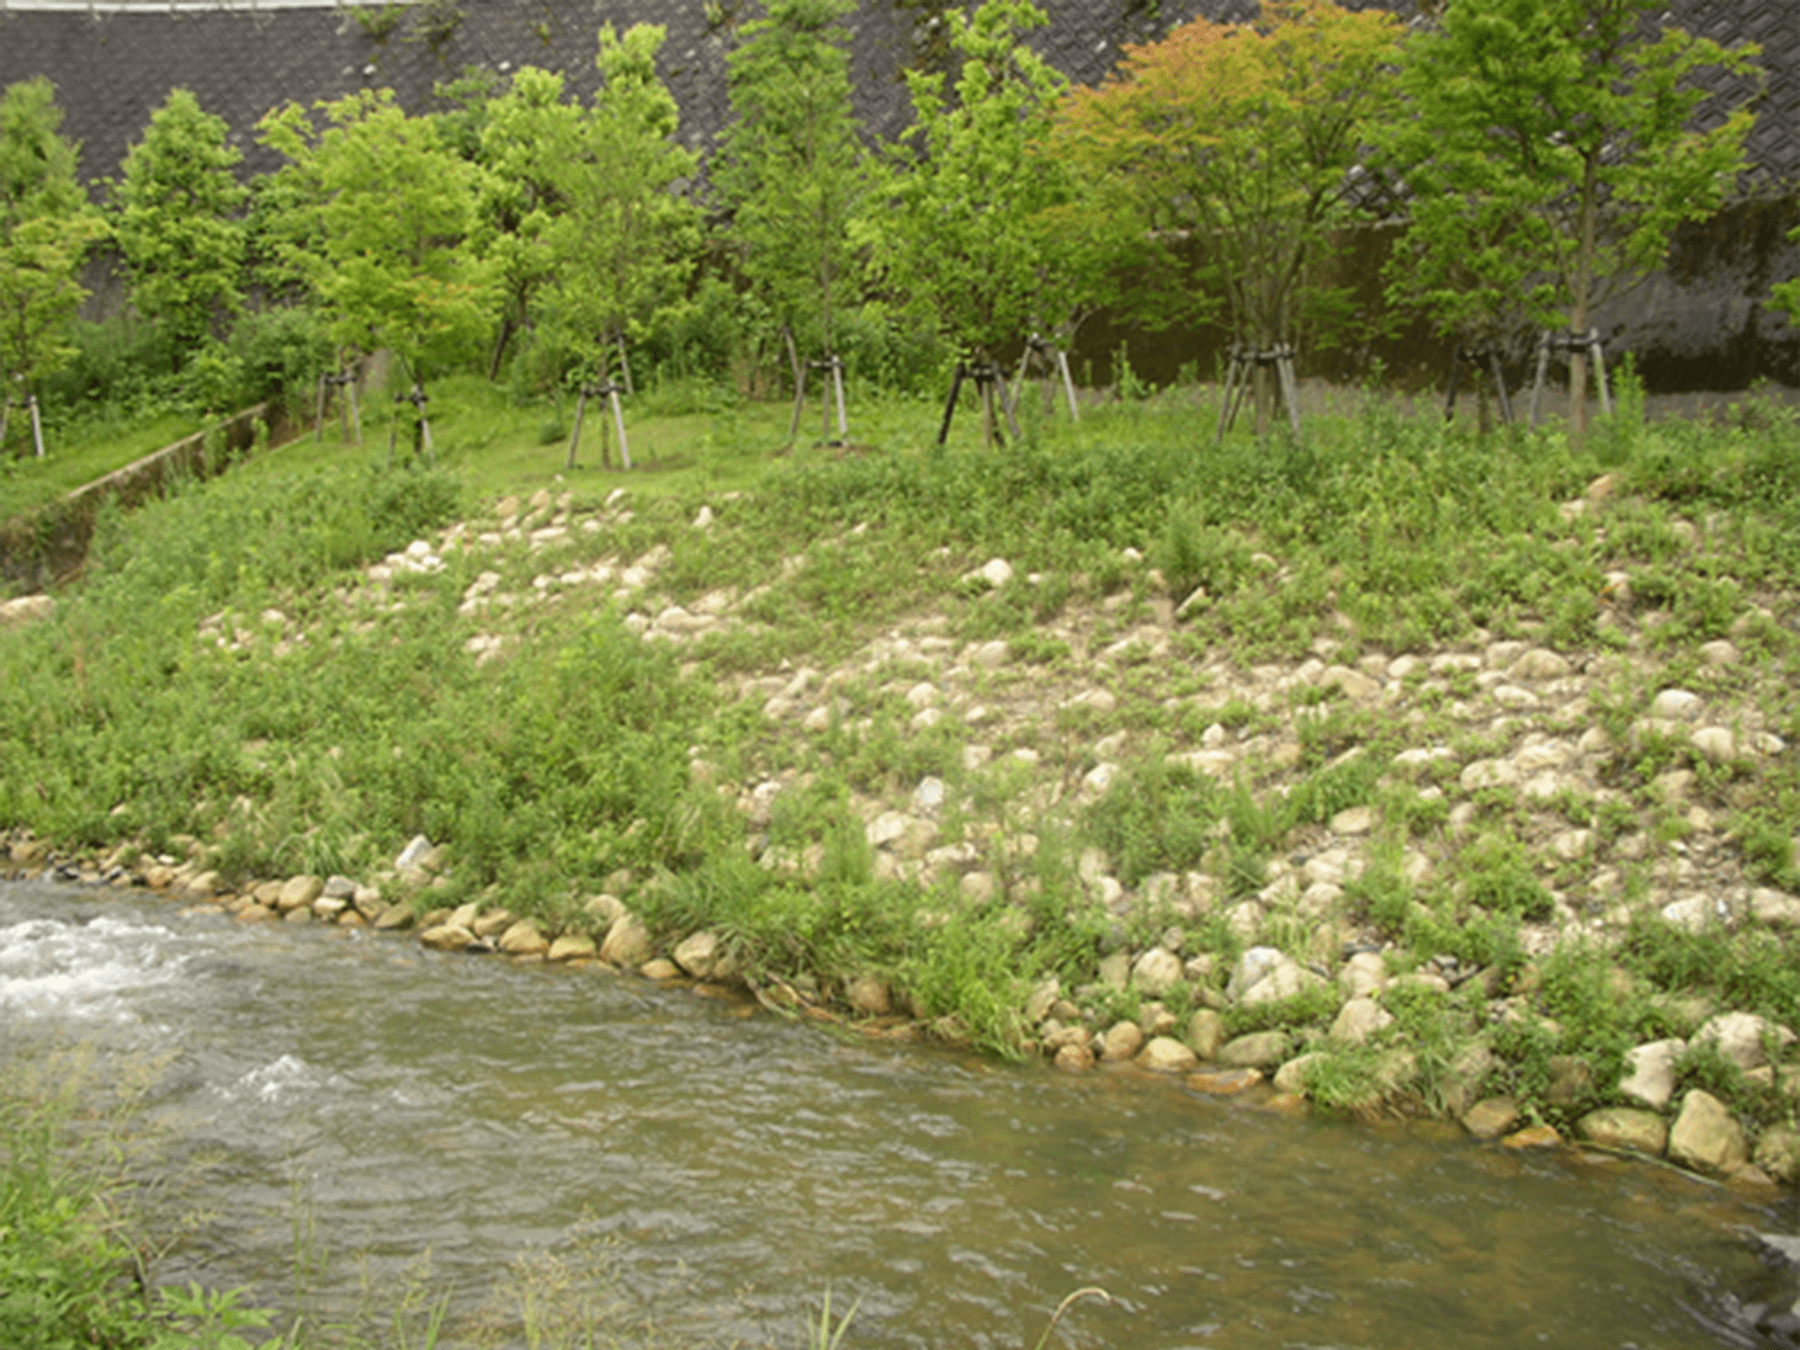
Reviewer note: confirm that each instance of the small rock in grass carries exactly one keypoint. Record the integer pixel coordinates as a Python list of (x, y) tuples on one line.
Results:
[(1676, 705), (1156, 972), (1743, 1038)]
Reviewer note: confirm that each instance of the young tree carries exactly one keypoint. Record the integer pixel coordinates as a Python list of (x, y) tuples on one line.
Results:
[(46, 229), (793, 172), (178, 223), (530, 137), (964, 232), (623, 241), (383, 215), (1551, 148), (1246, 139)]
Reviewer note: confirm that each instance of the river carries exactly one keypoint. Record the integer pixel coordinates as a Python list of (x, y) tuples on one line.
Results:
[(345, 1117)]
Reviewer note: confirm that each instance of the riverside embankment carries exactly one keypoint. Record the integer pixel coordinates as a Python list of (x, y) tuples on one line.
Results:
[(1397, 774)]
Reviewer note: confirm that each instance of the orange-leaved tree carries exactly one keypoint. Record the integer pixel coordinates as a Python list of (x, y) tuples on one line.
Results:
[(1247, 140)]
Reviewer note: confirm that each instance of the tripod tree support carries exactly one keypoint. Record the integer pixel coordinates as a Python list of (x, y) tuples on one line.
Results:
[(609, 389), (1588, 342), (831, 384), (1475, 356), (1054, 362), (988, 378), (421, 424), (348, 414), (1244, 362)]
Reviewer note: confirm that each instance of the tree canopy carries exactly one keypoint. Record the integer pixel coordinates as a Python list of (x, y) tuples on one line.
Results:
[(625, 239), (964, 225), (178, 226), (792, 172), (46, 229), (380, 225), (1245, 142), (1551, 148)]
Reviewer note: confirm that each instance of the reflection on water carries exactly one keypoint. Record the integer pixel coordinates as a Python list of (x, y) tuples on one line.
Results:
[(359, 1096)]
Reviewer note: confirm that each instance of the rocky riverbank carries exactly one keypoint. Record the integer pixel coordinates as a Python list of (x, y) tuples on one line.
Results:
[(1497, 926)]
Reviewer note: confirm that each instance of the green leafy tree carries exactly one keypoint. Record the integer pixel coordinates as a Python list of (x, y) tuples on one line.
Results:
[(379, 224), (1244, 141), (622, 243), (793, 172), (963, 225), (531, 137), (178, 221), (46, 229), (1551, 149)]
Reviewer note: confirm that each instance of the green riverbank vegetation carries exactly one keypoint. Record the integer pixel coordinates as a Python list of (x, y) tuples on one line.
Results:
[(1059, 751)]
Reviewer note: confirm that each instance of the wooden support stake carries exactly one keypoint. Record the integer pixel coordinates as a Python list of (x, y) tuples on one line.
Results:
[(618, 411), (956, 384), (1506, 412), (1226, 415), (1543, 372), (1290, 386), (799, 403), (1455, 371), (1062, 364), (1006, 403), (625, 365), (837, 384), (575, 431), (1594, 346)]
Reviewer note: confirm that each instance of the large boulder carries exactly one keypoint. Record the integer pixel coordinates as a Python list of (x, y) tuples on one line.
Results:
[(1258, 1050), (1743, 1038), (1165, 1054), (299, 893), (1626, 1128), (1650, 1073), (1706, 1136), (627, 942)]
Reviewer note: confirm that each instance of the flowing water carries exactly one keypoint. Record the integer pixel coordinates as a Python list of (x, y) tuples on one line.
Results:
[(341, 1107)]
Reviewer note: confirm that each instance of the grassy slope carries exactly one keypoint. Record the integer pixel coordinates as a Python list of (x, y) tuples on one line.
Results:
[(27, 483), (228, 675)]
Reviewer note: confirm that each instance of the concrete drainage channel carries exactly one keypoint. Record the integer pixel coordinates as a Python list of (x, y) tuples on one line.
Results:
[(44, 546)]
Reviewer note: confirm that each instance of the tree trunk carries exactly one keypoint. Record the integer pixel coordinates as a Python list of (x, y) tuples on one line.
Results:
[(507, 329)]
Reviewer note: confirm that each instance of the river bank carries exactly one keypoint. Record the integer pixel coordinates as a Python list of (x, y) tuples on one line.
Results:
[(1398, 775)]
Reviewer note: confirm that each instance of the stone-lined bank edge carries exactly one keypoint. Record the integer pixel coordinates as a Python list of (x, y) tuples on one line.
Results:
[(1260, 1067)]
